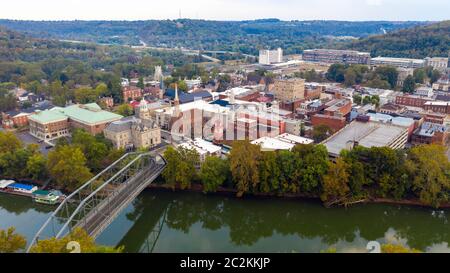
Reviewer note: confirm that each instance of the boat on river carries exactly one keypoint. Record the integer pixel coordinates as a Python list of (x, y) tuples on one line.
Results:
[(39, 196), (46, 197)]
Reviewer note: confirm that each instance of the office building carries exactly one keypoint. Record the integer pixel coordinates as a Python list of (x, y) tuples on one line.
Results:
[(332, 56), (398, 62), (267, 57), (289, 90), (133, 133)]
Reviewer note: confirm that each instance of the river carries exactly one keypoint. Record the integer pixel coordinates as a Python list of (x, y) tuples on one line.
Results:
[(161, 221)]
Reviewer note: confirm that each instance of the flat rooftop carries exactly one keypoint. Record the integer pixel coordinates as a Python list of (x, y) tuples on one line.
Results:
[(272, 144), (398, 60), (367, 134), (400, 121)]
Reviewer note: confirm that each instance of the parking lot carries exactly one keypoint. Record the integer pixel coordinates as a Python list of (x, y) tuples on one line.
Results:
[(29, 139)]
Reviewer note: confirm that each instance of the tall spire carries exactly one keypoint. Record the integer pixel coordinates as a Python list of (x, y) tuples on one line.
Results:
[(176, 99), (232, 97), (176, 102)]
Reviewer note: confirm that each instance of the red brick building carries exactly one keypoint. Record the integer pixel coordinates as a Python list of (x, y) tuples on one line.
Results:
[(108, 101), (334, 114), (131, 92), (436, 118), (334, 122), (430, 133), (438, 106), (313, 92), (338, 107), (413, 101), (14, 119)]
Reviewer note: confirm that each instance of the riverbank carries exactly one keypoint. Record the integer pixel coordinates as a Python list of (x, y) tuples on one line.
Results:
[(233, 192)]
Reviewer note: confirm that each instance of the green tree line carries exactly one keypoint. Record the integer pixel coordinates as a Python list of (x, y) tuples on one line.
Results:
[(421, 173), (68, 165)]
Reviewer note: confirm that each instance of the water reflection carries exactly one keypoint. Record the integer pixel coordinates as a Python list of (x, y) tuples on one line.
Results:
[(17, 205), (199, 223), (23, 214), (262, 225)]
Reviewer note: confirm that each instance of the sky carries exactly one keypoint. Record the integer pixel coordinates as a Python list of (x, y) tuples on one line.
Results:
[(351, 10)]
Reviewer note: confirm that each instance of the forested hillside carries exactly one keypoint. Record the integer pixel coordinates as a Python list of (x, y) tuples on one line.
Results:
[(72, 71), (416, 42), (241, 36)]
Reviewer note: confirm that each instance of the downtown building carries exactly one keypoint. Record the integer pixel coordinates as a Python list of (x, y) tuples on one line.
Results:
[(58, 122), (332, 56), (268, 57)]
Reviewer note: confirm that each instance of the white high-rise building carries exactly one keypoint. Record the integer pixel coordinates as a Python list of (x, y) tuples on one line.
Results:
[(267, 57)]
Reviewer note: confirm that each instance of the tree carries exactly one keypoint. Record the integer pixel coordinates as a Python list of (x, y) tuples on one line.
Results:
[(101, 89), (357, 99), (420, 75), (181, 167), (182, 86), (350, 77), (13, 164), (336, 181), (310, 166), (409, 85), (321, 132), (140, 83), (87, 244), (387, 73), (269, 173), (429, 169), (85, 95), (435, 76), (67, 167), (213, 173), (93, 148), (244, 165), (367, 100), (9, 142), (375, 100), (125, 110), (37, 167), (10, 242), (336, 73), (390, 248), (378, 83)]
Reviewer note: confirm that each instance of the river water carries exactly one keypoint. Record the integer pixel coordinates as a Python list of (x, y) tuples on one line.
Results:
[(161, 221)]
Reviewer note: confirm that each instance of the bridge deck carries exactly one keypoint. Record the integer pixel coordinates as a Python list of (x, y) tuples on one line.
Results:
[(102, 215)]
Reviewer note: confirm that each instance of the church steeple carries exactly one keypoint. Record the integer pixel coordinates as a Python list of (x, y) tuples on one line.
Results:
[(176, 102)]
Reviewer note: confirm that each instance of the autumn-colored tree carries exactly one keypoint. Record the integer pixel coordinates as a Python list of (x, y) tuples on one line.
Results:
[(11, 242), (78, 235), (9, 142), (37, 167), (67, 167), (244, 164), (391, 248), (335, 182), (429, 169)]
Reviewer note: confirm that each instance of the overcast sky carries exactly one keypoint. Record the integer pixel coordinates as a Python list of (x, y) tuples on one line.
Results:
[(354, 10)]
